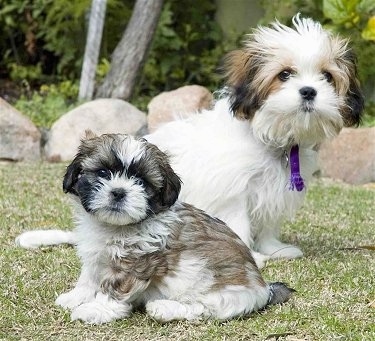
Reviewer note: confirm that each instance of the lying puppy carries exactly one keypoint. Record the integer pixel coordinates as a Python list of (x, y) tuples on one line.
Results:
[(140, 246)]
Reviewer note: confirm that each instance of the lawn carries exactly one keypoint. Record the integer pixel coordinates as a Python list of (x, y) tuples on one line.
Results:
[(335, 281)]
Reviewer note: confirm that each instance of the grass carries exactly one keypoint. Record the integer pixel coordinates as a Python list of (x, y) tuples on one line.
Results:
[(334, 284)]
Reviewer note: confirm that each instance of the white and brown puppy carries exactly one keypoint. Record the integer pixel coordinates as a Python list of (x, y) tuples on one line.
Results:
[(249, 160), (140, 246)]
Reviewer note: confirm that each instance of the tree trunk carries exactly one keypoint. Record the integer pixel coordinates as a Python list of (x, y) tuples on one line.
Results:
[(130, 53), (92, 49)]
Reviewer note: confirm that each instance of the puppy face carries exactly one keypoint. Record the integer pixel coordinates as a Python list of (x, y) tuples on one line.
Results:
[(120, 179), (297, 85)]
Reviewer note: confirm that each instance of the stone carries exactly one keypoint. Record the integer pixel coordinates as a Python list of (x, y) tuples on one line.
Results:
[(19, 137), (179, 103), (106, 115), (350, 157)]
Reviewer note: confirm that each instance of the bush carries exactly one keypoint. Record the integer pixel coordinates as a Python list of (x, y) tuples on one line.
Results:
[(45, 106)]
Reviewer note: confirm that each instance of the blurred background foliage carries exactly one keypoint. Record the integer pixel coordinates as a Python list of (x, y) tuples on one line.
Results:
[(42, 44)]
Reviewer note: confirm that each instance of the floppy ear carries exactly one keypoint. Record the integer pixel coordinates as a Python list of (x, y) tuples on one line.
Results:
[(171, 186), (75, 168), (71, 176), (354, 103), (240, 68)]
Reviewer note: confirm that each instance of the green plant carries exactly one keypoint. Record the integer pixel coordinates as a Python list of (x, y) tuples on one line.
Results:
[(45, 106), (186, 49), (52, 34)]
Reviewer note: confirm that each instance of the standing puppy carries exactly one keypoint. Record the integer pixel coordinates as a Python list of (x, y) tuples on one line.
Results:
[(140, 246)]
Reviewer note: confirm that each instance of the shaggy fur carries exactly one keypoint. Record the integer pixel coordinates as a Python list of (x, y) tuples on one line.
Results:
[(287, 86), (139, 246)]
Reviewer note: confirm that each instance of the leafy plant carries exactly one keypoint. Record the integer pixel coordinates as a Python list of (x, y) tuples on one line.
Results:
[(186, 49), (45, 106)]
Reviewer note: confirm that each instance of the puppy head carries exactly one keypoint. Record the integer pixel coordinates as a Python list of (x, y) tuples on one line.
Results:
[(120, 179), (297, 85)]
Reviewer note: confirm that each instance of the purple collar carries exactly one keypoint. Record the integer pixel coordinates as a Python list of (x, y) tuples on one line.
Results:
[(296, 181)]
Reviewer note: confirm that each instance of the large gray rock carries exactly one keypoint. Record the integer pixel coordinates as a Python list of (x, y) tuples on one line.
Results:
[(101, 116), (179, 103), (19, 137), (350, 157)]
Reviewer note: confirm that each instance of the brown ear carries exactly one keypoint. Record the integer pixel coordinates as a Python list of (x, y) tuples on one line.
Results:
[(240, 68), (171, 186), (354, 102), (71, 176)]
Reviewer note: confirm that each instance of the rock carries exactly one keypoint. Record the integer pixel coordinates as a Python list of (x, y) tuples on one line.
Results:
[(350, 157), (179, 103), (19, 137), (101, 116)]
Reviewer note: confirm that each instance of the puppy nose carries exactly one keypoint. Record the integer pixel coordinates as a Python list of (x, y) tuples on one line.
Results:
[(118, 194), (308, 93)]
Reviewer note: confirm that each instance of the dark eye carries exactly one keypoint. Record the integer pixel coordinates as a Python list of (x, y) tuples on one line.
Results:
[(328, 76), (284, 75), (140, 182), (103, 173)]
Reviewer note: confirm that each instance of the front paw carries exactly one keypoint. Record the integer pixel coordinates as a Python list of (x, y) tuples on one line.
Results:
[(101, 310), (74, 298), (92, 313)]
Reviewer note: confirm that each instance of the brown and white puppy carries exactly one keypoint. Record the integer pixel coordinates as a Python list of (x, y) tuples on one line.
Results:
[(140, 246)]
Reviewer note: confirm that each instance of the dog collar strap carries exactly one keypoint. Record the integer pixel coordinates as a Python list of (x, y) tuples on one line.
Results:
[(296, 181)]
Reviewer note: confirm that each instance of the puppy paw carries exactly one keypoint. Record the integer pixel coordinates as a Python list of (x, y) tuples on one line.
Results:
[(288, 251), (74, 298), (276, 249), (92, 313), (159, 311), (168, 310), (101, 310), (260, 259)]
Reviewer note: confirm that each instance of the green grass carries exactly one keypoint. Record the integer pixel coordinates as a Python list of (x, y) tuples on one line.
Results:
[(334, 284)]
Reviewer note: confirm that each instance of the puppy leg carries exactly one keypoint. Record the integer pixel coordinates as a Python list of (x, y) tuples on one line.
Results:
[(237, 218), (101, 310), (268, 244), (84, 291), (169, 310)]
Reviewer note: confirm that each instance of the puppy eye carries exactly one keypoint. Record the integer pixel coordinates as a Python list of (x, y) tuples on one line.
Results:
[(328, 76), (284, 75), (103, 173), (140, 182)]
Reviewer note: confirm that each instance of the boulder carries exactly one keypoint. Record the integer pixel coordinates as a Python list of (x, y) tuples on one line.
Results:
[(101, 116), (179, 103), (19, 137), (350, 157)]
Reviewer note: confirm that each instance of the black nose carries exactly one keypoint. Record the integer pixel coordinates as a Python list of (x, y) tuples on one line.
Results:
[(308, 93), (118, 194)]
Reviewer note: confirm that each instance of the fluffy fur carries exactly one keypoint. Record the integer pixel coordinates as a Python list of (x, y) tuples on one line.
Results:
[(139, 246), (285, 87)]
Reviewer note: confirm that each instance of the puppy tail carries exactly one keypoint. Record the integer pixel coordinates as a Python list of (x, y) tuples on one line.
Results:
[(279, 293), (38, 238)]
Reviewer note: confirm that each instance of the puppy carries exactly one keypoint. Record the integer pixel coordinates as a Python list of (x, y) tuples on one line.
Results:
[(140, 246), (249, 160)]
